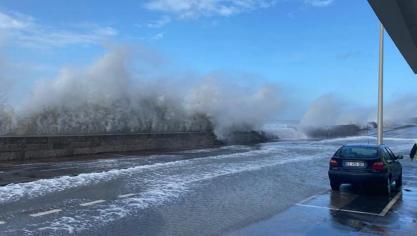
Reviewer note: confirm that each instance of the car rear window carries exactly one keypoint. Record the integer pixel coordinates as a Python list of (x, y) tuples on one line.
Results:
[(357, 152)]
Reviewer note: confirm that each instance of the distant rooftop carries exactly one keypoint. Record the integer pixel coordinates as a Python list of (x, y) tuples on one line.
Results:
[(399, 18)]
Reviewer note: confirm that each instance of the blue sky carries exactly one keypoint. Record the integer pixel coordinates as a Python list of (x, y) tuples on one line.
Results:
[(308, 47)]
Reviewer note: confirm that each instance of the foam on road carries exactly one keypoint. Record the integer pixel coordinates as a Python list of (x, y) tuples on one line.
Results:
[(146, 188)]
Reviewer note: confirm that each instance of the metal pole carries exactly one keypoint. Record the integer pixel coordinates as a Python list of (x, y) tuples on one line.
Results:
[(380, 119)]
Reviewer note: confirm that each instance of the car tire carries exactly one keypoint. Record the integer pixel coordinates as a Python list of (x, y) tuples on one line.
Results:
[(387, 187), (335, 185), (399, 181)]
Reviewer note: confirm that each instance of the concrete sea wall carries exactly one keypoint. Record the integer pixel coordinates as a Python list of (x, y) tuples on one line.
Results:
[(41, 147), (334, 131)]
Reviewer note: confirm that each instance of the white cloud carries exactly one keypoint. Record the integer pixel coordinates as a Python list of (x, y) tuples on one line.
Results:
[(319, 3), (44, 38), (158, 36), (159, 23), (14, 21), (197, 8), (23, 30)]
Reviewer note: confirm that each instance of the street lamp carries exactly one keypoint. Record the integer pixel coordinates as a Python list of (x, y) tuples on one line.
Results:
[(380, 118)]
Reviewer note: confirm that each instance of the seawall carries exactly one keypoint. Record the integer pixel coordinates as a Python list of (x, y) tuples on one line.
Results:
[(334, 131), (42, 147)]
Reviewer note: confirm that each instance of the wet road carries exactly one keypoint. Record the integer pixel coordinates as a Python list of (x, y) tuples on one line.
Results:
[(348, 212), (230, 190)]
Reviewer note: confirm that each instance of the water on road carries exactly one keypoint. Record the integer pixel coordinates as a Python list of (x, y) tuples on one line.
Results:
[(197, 192)]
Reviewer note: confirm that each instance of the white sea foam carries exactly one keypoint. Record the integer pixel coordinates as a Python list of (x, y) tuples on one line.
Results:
[(400, 139), (352, 138), (164, 188), (284, 131), (15, 192), (169, 181)]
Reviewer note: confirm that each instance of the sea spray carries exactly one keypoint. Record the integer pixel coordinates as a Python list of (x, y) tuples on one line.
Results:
[(114, 96), (332, 116)]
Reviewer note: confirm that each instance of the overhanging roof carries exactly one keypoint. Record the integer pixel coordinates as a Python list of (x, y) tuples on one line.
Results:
[(399, 18)]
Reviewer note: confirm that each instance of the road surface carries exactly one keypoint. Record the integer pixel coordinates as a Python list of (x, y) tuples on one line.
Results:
[(266, 189)]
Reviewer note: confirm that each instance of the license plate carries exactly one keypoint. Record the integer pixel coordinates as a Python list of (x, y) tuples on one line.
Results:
[(354, 164)]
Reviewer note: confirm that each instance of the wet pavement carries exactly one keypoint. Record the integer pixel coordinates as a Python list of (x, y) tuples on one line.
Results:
[(277, 188), (348, 212)]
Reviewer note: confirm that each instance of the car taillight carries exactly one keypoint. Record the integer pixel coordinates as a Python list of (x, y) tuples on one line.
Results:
[(378, 166), (333, 163)]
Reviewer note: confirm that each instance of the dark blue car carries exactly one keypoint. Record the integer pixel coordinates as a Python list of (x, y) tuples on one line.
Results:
[(371, 165)]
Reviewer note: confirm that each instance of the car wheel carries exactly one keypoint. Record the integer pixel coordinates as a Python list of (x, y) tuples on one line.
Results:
[(399, 181), (387, 187), (335, 185)]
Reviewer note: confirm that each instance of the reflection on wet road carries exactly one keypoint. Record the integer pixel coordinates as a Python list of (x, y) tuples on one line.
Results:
[(348, 211), (252, 190)]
